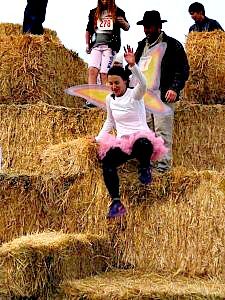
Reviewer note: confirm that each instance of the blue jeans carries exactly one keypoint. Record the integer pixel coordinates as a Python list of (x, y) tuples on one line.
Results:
[(34, 16)]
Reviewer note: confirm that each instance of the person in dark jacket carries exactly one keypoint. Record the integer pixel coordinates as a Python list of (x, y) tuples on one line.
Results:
[(174, 71), (202, 23), (34, 16), (103, 38)]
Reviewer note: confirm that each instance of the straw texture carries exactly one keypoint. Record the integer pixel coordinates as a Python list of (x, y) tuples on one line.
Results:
[(27, 130), (52, 180), (198, 133), (206, 57), (174, 225), (34, 265), (198, 140), (124, 285), (75, 157), (38, 68)]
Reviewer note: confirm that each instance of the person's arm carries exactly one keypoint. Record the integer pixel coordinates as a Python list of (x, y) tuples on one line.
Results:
[(181, 69), (181, 74), (191, 28), (217, 26), (123, 23), (109, 122), (141, 87), (89, 30), (121, 20), (88, 41)]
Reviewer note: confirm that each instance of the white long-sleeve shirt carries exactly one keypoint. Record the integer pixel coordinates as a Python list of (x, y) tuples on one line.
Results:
[(127, 113)]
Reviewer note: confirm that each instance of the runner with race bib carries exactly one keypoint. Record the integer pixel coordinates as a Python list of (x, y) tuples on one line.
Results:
[(103, 38)]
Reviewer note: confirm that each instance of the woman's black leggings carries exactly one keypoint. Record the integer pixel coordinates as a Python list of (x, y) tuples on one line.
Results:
[(142, 151)]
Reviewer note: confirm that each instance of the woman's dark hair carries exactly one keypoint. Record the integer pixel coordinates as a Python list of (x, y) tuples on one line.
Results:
[(119, 71), (196, 7)]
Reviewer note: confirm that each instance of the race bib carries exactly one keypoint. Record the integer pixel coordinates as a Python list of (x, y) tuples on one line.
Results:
[(105, 24), (144, 63)]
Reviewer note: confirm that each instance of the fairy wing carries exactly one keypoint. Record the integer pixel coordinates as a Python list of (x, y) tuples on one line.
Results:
[(154, 104), (96, 94), (93, 93), (150, 65)]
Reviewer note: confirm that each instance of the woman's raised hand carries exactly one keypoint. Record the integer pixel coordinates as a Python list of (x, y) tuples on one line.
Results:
[(129, 55)]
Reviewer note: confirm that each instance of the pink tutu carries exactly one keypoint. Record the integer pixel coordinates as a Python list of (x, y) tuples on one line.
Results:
[(126, 143)]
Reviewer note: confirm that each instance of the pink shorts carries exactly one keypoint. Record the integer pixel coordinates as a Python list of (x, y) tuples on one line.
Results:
[(101, 57)]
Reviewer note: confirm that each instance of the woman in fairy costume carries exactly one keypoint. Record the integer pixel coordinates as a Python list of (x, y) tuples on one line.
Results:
[(127, 115)]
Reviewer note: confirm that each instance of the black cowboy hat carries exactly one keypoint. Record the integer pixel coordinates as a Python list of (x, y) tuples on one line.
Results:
[(151, 17)]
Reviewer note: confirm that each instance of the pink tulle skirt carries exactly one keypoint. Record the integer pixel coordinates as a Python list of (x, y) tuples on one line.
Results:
[(126, 143)]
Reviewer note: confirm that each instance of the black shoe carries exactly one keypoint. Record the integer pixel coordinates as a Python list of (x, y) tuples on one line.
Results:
[(145, 175)]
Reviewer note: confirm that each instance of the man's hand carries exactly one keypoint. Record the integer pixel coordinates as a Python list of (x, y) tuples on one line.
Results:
[(171, 96)]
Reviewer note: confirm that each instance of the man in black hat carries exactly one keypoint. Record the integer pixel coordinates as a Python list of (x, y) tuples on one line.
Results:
[(174, 71), (34, 16)]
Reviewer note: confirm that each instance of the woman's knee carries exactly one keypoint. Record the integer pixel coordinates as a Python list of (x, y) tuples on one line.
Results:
[(93, 72), (142, 145)]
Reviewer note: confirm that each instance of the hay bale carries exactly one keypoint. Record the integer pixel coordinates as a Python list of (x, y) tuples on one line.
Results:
[(38, 68), (206, 56), (34, 265), (141, 285), (176, 225), (70, 158), (27, 130), (35, 203), (199, 134)]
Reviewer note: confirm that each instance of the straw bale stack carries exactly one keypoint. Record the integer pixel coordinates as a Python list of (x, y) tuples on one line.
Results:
[(27, 130), (34, 265), (67, 186), (38, 68), (206, 55), (199, 136), (140, 285), (174, 225)]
